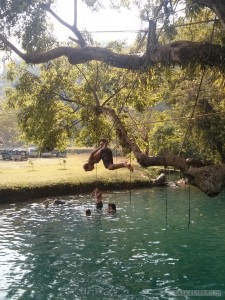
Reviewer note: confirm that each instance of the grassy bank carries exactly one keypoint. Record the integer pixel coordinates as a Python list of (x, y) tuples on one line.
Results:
[(41, 177)]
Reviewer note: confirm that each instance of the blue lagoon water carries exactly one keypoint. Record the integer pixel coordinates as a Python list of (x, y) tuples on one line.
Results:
[(161, 241)]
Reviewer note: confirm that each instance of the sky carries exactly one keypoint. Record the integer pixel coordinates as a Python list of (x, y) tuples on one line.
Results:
[(107, 20)]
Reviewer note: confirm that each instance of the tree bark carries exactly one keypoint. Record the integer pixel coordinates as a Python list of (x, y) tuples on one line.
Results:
[(209, 179), (176, 53)]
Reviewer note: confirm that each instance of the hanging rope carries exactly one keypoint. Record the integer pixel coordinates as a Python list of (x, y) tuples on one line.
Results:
[(96, 173), (192, 113), (166, 206), (130, 179), (165, 169), (116, 163), (96, 145), (197, 96), (189, 207), (116, 152), (124, 102), (136, 77)]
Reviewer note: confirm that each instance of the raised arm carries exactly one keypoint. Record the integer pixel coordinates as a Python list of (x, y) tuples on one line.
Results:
[(104, 143)]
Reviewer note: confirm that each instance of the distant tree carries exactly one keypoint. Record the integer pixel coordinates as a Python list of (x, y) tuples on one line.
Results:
[(9, 133)]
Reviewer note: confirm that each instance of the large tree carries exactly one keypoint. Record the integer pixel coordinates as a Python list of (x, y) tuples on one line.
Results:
[(26, 20)]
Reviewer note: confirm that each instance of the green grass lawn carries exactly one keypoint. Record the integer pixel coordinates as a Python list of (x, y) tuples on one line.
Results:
[(38, 172)]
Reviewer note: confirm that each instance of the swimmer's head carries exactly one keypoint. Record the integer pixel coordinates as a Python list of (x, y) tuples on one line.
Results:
[(111, 207), (46, 203), (88, 212)]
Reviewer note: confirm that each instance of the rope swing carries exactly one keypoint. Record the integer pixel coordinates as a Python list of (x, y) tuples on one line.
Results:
[(189, 207), (167, 206), (189, 124), (130, 179), (197, 95)]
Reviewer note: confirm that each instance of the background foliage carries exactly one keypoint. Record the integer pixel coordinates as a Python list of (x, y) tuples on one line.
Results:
[(166, 110)]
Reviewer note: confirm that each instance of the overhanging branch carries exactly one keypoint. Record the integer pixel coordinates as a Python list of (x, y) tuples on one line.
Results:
[(176, 53), (210, 179)]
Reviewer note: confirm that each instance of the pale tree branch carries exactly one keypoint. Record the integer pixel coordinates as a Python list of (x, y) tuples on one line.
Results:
[(73, 39), (81, 41)]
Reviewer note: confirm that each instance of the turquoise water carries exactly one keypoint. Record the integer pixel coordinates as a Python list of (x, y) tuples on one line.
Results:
[(160, 241)]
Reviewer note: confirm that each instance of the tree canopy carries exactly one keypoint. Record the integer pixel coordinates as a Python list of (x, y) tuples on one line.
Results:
[(171, 41), (27, 22)]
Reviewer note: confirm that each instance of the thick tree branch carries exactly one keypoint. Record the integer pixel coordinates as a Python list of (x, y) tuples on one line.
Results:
[(209, 179), (180, 52), (144, 160)]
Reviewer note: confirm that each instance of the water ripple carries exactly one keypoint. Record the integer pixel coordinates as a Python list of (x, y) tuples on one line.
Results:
[(59, 253)]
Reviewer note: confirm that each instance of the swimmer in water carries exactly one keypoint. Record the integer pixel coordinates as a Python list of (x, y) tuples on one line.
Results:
[(46, 203), (88, 212), (58, 202), (98, 198), (111, 208)]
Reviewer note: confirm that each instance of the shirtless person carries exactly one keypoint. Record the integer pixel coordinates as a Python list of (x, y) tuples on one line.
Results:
[(105, 154), (98, 198)]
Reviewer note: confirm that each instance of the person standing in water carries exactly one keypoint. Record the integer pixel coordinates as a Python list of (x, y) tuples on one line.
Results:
[(98, 198)]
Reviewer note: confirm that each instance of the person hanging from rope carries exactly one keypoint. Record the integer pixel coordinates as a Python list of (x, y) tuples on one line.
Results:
[(105, 154)]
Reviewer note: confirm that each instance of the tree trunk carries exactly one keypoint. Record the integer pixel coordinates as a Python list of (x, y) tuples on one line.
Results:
[(209, 179)]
